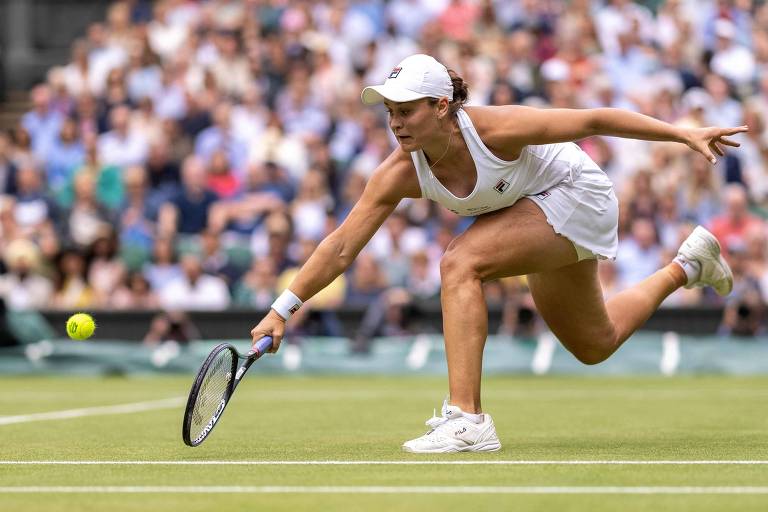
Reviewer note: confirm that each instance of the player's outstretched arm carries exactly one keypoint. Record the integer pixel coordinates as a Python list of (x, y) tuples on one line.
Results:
[(393, 180), (523, 126)]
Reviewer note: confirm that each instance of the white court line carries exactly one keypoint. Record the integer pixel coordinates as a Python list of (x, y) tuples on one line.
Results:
[(166, 403), (379, 462), (383, 490)]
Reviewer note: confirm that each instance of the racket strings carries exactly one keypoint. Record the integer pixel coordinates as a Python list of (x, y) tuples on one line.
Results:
[(214, 387)]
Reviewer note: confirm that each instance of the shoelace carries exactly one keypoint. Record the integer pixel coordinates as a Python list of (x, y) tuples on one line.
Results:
[(435, 421)]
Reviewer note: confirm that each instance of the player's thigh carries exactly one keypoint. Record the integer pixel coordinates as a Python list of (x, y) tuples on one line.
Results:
[(513, 241), (570, 300)]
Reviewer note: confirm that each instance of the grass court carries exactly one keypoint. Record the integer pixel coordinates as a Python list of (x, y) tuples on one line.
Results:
[(331, 443)]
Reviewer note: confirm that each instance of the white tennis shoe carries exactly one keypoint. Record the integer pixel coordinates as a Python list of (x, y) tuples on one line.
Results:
[(702, 247), (452, 432)]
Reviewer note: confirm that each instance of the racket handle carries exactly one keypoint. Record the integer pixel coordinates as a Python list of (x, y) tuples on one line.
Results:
[(261, 346)]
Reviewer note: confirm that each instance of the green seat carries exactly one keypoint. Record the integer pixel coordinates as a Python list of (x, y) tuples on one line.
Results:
[(134, 256)]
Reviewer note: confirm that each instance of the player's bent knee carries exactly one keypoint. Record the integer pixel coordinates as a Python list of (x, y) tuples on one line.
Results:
[(456, 265), (597, 349), (590, 356)]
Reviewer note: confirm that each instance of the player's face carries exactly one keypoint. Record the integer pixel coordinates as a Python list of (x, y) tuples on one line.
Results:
[(413, 122)]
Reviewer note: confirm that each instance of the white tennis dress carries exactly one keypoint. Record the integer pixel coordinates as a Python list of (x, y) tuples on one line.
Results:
[(575, 194)]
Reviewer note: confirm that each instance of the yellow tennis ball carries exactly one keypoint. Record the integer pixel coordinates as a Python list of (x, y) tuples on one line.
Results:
[(80, 326)]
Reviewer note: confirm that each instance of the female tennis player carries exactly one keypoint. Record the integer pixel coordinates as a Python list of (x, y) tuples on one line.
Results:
[(543, 208)]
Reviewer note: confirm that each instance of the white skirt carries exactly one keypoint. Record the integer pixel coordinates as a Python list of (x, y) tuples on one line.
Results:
[(584, 209)]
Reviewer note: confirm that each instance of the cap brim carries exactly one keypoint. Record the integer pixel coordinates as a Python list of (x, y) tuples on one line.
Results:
[(375, 94)]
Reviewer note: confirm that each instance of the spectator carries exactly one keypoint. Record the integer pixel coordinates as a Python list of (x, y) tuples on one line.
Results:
[(194, 290), (310, 206), (138, 213), (67, 154), (722, 108), (731, 59), (394, 245), (166, 37), (731, 226), (72, 290), (32, 209), (231, 69), (639, 255), (164, 267), (103, 57), (87, 217), (22, 287), (221, 177), (423, 280), (215, 260), (365, 282), (106, 271), (76, 75), (187, 211), (121, 146), (174, 326), (134, 293), (274, 240), (220, 137), (744, 314), (700, 194), (162, 169), (753, 154), (42, 123), (391, 314), (257, 289)]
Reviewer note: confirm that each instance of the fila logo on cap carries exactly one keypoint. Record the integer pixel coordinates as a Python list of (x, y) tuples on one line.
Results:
[(395, 72)]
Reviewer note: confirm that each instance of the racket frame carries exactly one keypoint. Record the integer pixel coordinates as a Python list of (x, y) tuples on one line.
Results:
[(259, 349)]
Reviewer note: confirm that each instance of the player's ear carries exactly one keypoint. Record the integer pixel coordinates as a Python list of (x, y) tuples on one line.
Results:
[(443, 107)]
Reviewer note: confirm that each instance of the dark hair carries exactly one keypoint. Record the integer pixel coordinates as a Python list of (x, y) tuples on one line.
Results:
[(460, 93)]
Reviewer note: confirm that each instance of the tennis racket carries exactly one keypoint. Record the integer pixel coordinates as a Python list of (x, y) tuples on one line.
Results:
[(213, 387)]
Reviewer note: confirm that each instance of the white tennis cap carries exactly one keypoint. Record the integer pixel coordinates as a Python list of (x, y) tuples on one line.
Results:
[(418, 76)]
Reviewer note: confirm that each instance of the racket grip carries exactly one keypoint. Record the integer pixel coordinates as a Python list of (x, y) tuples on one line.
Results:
[(261, 346)]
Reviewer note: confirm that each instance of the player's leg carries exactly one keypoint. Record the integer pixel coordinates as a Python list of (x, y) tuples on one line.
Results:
[(518, 240), (513, 241), (570, 300)]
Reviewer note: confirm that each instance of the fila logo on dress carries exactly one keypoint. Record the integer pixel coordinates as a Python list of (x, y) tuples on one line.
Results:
[(501, 186)]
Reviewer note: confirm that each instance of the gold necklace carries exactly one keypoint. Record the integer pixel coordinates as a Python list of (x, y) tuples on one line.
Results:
[(450, 138)]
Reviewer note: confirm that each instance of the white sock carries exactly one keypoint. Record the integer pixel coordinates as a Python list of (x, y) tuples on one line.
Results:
[(692, 268), (474, 418)]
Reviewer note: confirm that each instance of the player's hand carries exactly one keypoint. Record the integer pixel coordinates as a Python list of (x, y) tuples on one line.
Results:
[(271, 325), (710, 140)]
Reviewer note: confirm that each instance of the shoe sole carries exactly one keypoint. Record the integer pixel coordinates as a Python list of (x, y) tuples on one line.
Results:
[(488, 446)]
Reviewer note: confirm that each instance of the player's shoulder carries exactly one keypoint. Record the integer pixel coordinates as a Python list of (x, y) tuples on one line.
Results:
[(500, 128), (497, 118)]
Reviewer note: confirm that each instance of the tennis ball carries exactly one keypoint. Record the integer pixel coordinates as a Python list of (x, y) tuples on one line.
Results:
[(80, 326)]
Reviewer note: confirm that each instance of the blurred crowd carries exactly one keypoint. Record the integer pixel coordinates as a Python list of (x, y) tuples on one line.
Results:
[(192, 153)]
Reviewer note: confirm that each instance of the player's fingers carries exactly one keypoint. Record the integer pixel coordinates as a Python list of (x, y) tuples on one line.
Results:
[(728, 142), (707, 153), (716, 149), (733, 131), (276, 340)]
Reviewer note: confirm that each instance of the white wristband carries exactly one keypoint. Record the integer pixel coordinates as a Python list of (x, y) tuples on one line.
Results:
[(287, 304)]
